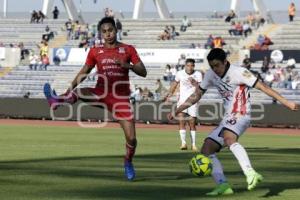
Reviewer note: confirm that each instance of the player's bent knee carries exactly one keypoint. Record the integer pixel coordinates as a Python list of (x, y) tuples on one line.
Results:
[(210, 147), (228, 141)]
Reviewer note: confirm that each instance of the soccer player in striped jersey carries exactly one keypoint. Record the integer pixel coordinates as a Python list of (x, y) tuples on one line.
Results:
[(233, 84)]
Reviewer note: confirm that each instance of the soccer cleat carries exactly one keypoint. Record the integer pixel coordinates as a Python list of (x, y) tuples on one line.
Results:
[(50, 96), (194, 148), (221, 189), (129, 170), (253, 178), (183, 147)]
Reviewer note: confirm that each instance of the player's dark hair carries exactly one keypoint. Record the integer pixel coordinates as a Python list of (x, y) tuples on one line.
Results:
[(216, 54), (190, 60), (106, 20)]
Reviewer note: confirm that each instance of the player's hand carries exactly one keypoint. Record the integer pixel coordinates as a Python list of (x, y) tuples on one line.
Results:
[(166, 98), (170, 116), (121, 63), (293, 106)]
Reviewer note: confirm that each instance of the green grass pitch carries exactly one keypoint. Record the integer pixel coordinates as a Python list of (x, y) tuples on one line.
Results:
[(39, 163)]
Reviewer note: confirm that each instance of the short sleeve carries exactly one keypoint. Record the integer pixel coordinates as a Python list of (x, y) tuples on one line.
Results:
[(177, 77), (134, 56), (207, 81), (90, 59), (246, 77), (199, 77)]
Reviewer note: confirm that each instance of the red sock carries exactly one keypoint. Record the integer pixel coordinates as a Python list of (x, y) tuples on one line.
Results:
[(130, 151), (70, 97)]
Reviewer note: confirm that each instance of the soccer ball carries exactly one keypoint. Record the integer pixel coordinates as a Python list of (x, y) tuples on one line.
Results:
[(200, 165)]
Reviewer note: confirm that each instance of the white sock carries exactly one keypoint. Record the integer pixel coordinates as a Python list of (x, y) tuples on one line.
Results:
[(241, 155), (182, 134), (193, 138), (217, 172)]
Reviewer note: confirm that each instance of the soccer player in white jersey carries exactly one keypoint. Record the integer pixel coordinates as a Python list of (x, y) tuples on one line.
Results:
[(233, 84), (183, 78)]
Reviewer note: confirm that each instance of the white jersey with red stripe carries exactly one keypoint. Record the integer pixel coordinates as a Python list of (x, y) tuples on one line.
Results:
[(233, 86)]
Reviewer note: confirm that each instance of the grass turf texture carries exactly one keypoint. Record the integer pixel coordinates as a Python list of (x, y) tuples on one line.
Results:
[(39, 163)]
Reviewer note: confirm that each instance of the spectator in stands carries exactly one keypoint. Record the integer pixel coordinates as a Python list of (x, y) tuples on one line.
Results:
[(159, 90), (111, 13), (260, 40), (40, 17), (108, 12), (147, 95), (219, 42), (168, 74), (209, 42), (24, 52), (185, 24), (251, 19), (265, 65), (259, 20), (33, 60), (44, 48), (68, 26), (91, 40), (236, 29), (267, 41), (83, 43), (292, 11), (44, 62), (279, 77), (165, 35), (26, 95), (173, 32), (291, 63), (246, 29), (288, 78), (34, 15), (246, 62), (77, 30), (181, 62), (269, 78), (119, 29), (296, 81), (55, 12), (48, 35), (173, 72), (230, 16), (137, 94)]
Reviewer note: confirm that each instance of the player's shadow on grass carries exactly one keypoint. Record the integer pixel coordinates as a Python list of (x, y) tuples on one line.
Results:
[(159, 176)]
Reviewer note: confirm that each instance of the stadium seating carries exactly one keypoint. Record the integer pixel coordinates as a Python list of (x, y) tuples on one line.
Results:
[(146, 36), (287, 37)]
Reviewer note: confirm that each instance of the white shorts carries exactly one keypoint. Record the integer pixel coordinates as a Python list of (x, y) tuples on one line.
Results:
[(191, 111), (237, 125)]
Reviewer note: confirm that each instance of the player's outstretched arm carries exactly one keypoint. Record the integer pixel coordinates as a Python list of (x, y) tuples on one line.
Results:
[(194, 98), (272, 93), (172, 89), (81, 76)]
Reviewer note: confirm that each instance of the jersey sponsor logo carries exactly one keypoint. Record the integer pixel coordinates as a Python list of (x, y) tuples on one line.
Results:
[(100, 52), (121, 50), (108, 61), (227, 80), (247, 74)]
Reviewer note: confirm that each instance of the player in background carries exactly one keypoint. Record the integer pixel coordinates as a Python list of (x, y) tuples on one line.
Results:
[(112, 89), (188, 116), (233, 83)]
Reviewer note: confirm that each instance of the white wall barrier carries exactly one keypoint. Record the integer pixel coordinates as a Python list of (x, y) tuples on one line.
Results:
[(171, 56), (10, 57)]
